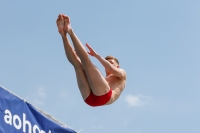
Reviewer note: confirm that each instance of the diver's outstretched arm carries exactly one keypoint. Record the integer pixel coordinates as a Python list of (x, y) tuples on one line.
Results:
[(120, 73), (103, 61)]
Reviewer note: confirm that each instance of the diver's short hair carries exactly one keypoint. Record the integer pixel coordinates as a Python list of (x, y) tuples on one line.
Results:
[(112, 57)]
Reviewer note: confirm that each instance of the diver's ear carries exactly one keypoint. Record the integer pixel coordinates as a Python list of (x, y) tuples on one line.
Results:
[(118, 66)]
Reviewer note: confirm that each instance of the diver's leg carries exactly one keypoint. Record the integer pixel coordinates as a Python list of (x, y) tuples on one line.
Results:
[(80, 74), (96, 80), (74, 60)]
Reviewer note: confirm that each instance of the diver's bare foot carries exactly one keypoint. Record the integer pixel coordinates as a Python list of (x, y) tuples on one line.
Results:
[(60, 24), (67, 27)]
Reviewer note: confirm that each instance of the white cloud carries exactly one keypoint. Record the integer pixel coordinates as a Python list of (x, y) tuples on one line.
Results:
[(38, 95), (38, 98), (41, 92), (138, 100)]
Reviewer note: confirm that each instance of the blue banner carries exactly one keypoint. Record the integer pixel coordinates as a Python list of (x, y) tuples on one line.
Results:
[(18, 116)]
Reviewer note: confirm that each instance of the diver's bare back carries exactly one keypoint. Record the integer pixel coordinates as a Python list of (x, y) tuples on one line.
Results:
[(117, 85)]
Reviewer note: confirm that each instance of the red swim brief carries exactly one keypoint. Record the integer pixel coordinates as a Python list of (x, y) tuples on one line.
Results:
[(94, 100)]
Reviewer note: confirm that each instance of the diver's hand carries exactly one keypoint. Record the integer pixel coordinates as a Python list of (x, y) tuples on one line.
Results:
[(91, 50)]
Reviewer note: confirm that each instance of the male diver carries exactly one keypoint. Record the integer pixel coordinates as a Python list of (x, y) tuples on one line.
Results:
[(96, 90)]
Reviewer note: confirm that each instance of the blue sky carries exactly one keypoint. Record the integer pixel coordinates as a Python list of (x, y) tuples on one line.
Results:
[(156, 42)]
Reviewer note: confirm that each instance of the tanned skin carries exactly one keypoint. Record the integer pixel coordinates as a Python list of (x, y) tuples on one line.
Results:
[(89, 78)]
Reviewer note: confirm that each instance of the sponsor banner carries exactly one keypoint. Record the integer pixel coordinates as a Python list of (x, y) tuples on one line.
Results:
[(19, 116)]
